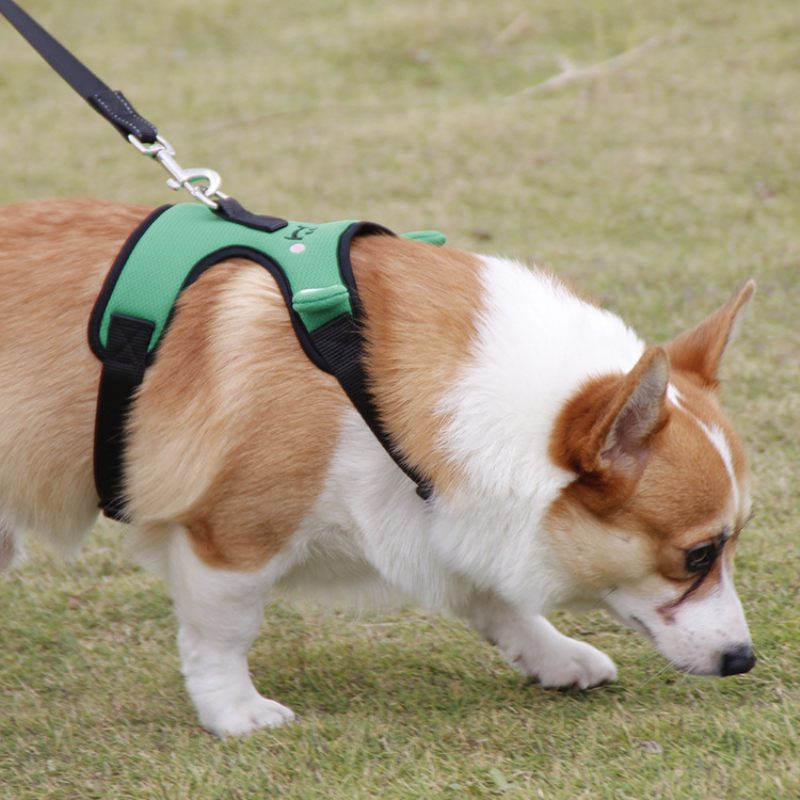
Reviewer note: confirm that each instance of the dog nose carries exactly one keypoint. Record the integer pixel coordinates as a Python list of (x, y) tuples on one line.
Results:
[(740, 659)]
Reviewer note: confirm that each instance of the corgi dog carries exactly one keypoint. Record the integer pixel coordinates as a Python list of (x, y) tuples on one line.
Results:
[(571, 464)]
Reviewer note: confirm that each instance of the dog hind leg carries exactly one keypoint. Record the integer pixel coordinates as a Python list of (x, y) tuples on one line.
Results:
[(537, 649), (219, 614)]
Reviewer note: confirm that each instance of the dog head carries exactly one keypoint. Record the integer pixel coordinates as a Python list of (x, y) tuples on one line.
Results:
[(650, 525)]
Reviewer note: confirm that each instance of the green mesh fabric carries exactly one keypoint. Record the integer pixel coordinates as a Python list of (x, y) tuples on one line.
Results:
[(186, 233)]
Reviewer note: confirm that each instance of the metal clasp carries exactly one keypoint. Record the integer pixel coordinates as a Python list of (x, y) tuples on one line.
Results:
[(201, 183)]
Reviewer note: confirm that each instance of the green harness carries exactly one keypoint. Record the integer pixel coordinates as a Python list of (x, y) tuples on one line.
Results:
[(167, 253)]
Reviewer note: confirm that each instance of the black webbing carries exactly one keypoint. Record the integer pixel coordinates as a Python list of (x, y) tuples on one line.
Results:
[(339, 343), (124, 364), (110, 104), (234, 211)]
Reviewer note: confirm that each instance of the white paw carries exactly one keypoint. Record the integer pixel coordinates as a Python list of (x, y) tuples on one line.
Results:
[(571, 665), (245, 717)]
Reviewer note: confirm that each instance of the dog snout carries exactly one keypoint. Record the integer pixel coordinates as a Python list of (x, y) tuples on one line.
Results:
[(737, 660)]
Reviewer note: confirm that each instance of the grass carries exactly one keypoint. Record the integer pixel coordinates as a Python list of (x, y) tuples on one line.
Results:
[(656, 187)]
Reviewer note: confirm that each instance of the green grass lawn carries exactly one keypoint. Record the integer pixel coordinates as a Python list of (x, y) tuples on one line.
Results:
[(657, 186)]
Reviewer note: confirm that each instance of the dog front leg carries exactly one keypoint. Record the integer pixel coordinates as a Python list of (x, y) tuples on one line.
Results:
[(219, 614), (534, 646)]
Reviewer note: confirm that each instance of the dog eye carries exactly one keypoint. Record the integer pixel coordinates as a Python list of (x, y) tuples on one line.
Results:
[(702, 557)]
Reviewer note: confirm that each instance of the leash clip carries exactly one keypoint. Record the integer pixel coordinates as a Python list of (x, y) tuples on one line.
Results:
[(201, 183)]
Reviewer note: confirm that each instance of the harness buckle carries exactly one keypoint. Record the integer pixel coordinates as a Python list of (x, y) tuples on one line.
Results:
[(201, 183)]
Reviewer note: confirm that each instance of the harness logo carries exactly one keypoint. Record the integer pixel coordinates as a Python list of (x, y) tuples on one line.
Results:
[(301, 232)]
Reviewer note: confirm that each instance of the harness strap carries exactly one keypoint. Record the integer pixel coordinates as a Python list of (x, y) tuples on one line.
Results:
[(232, 210), (124, 364), (339, 343), (170, 250)]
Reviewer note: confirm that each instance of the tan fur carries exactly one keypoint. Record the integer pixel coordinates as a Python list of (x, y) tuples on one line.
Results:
[(234, 428), (605, 436), (415, 319), (53, 257)]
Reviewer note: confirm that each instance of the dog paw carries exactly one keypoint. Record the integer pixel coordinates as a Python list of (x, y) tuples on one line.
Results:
[(574, 665), (245, 717)]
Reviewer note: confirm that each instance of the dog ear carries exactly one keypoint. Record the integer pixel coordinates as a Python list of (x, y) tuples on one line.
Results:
[(604, 433), (700, 350), (637, 410)]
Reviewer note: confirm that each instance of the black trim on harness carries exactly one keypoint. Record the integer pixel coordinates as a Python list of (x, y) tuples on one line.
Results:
[(111, 279), (240, 251), (336, 347), (340, 344)]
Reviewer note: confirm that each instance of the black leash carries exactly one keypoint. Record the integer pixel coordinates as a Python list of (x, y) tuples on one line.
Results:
[(108, 103), (202, 183)]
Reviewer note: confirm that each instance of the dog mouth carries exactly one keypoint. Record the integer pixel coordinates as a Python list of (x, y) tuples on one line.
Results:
[(634, 622), (642, 627), (637, 624), (682, 666)]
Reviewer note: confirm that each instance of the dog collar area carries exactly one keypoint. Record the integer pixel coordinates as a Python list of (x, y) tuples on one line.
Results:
[(168, 252)]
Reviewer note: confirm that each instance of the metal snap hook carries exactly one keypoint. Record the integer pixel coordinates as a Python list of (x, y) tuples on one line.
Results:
[(202, 183)]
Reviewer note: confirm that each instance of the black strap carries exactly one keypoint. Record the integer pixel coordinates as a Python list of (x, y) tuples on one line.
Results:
[(123, 371), (113, 105), (110, 104), (339, 343), (234, 211)]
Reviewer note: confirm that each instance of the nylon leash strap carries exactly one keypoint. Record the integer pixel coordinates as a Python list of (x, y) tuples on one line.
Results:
[(203, 184)]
